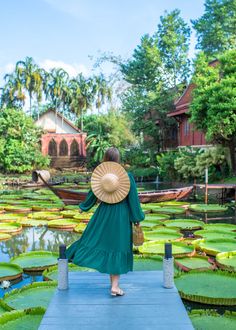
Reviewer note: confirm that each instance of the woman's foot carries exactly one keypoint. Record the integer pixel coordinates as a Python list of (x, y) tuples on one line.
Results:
[(117, 292)]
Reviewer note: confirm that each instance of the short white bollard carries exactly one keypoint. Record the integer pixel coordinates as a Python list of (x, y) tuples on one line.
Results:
[(62, 269), (168, 267)]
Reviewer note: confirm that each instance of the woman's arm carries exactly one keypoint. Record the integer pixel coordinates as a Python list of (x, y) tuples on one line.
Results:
[(89, 202), (137, 213)]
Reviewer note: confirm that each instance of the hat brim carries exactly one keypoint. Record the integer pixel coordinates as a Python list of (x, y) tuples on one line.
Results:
[(124, 182)]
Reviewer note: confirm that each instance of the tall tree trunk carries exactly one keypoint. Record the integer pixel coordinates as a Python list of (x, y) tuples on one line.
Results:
[(81, 121), (232, 155), (30, 98)]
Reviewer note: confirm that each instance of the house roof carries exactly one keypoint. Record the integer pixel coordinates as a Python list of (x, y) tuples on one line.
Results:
[(62, 117)]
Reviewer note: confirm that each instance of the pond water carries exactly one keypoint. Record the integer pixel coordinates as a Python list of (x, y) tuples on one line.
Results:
[(42, 238)]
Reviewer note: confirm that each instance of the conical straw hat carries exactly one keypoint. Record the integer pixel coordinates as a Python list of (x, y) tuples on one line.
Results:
[(110, 182)]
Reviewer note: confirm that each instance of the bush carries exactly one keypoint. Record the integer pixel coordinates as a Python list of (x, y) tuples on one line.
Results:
[(166, 167), (19, 143)]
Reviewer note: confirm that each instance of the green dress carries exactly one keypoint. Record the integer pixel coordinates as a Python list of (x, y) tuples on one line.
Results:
[(106, 244)]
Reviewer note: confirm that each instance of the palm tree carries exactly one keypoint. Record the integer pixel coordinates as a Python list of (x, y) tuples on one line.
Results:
[(29, 74), (82, 96), (12, 93), (102, 91)]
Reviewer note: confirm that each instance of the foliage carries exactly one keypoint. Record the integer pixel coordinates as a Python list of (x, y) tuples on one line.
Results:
[(19, 143), (166, 167), (216, 27), (156, 73), (213, 106), (150, 172), (106, 130)]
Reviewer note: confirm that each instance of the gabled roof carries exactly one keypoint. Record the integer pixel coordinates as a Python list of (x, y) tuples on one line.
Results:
[(62, 118)]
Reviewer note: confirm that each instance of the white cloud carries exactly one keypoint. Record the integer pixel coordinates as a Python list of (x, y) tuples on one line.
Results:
[(72, 69)]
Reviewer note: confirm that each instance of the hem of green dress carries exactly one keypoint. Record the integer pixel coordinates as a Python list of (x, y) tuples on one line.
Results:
[(115, 263)]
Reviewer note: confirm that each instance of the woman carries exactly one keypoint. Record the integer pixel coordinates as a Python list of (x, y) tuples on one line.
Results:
[(106, 244)]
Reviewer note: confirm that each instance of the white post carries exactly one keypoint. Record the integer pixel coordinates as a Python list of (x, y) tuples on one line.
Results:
[(62, 269), (168, 267)]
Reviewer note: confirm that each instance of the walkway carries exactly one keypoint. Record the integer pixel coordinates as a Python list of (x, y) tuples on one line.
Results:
[(87, 304)]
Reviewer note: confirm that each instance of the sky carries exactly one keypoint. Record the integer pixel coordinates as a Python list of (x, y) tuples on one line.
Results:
[(66, 33)]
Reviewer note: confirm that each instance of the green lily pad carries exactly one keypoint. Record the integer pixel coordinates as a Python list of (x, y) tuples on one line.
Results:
[(208, 287), (10, 227), (142, 263), (63, 224), (45, 215), (189, 263), (178, 249), (11, 217), (69, 213), (51, 273), (37, 294), (184, 224), (162, 234), (223, 227), (4, 236), (47, 208), (11, 196), (226, 260), (174, 203), (215, 234), (80, 227), (172, 210), (214, 246), (207, 208), (156, 216), (33, 223), (35, 260), (9, 271), (22, 319), (150, 224), (18, 209), (209, 319), (83, 216), (149, 206)]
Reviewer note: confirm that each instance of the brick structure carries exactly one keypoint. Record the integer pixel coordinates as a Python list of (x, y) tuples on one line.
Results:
[(62, 141)]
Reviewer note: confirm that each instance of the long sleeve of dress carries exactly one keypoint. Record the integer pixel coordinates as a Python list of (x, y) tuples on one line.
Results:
[(137, 214), (89, 201)]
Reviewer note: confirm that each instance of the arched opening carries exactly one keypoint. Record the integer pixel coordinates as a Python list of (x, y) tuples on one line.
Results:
[(63, 148), (52, 148), (74, 149)]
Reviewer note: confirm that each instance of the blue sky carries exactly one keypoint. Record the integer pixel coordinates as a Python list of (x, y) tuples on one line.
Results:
[(65, 32)]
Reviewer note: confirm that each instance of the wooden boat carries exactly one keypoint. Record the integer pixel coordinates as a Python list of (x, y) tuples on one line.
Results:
[(73, 197)]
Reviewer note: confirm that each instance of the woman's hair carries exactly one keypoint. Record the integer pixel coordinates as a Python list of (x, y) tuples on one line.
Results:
[(112, 155)]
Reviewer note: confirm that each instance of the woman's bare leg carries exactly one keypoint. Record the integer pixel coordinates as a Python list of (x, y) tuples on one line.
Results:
[(115, 282)]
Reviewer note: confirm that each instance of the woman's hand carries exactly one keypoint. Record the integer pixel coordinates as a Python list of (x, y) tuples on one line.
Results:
[(80, 211)]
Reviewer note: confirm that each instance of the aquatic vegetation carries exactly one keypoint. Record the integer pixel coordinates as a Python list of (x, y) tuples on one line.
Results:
[(63, 224), (9, 271), (214, 246), (207, 208), (226, 260), (196, 262), (210, 319), (4, 236), (184, 224), (10, 227), (162, 234), (178, 249), (171, 210), (51, 273), (208, 287), (35, 260), (45, 215)]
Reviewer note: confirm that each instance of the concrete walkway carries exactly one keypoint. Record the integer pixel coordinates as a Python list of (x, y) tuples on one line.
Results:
[(87, 305)]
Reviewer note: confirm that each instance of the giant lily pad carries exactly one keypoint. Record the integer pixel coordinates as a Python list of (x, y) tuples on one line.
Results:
[(47, 208), (209, 319), (80, 227), (214, 246), (171, 210), (9, 271), (51, 274), (4, 236), (35, 260), (184, 224), (215, 234), (162, 234), (18, 209), (45, 215), (227, 260), (11, 217), (208, 287), (10, 227), (196, 262), (207, 208), (223, 227), (178, 249), (174, 203), (22, 319), (150, 224), (156, 216), (142, 263), (37, 294), (63, 224), (83, 216), (33, 223), (69, 213)]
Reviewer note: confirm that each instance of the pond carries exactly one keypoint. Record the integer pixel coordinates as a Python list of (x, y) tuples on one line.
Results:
[(48, 239)]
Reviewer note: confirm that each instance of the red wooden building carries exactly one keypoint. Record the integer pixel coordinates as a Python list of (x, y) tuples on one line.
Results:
[(62, 141), (187, 134)]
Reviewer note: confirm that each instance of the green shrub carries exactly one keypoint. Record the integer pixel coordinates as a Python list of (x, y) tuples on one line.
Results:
[(19, 143)]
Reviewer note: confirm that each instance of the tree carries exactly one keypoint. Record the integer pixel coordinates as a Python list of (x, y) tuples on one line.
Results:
[(30, 77), (213, 108), (216, 28), (19, 142)]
